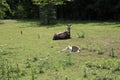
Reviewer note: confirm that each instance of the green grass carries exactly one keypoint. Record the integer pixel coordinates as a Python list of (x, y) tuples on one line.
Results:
[(27, 51)]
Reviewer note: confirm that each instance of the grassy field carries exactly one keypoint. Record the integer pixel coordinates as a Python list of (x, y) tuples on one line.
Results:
[(27, 51)]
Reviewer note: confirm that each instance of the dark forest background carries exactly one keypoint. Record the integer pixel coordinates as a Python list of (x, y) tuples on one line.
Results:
[(68, 10)]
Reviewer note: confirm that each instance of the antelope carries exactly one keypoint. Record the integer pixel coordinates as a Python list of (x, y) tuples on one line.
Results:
[(63, 35)]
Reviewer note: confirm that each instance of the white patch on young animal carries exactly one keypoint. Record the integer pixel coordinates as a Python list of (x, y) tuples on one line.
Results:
[(72, 49)]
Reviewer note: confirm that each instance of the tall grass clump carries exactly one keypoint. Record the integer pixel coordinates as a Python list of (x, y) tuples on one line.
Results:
[(85, 73), (82, 35), (112, 53), (100, 51), (33, 74), (91, 47)]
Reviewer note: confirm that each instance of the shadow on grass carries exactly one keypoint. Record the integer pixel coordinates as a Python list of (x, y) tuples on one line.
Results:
[(97, 22), (36, 23)]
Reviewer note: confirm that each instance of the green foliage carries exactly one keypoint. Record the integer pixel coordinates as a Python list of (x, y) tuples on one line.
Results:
[(48, 14), (47, 2), (64, 9), (3, 8), (22, 9), (20, 13), (47, 10)]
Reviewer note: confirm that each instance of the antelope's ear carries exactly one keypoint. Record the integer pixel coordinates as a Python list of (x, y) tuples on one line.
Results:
[(68, 25)]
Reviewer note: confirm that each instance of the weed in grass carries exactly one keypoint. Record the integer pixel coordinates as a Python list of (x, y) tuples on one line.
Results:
[(21, 32), (17, 70), (46, 64), (112, 53), (66, 77), (56, 68), (85, 73), (106, 65), (116, 67), (100, 51), (94, 72), (82, 35), (41, 69), (68, 61), (104, 76), (33, 74), (41, 66), (34, 59), (6, 52), (23, 73), (89, 64), (38, 36), (91, 47), (28, 65), (2, 68)]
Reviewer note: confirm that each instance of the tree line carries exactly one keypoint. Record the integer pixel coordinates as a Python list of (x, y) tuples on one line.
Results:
[(50, 10)]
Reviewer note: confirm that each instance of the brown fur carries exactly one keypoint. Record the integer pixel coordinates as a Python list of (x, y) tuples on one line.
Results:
[(63, 35), (75, 48)]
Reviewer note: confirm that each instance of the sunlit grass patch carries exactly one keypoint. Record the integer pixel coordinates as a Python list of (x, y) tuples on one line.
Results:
[(30, 50)]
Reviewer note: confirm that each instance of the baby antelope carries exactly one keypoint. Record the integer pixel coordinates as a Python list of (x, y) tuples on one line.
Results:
[(72, 49)]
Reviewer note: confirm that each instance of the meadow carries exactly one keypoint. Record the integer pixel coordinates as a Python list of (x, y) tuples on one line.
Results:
[(27, 51)]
